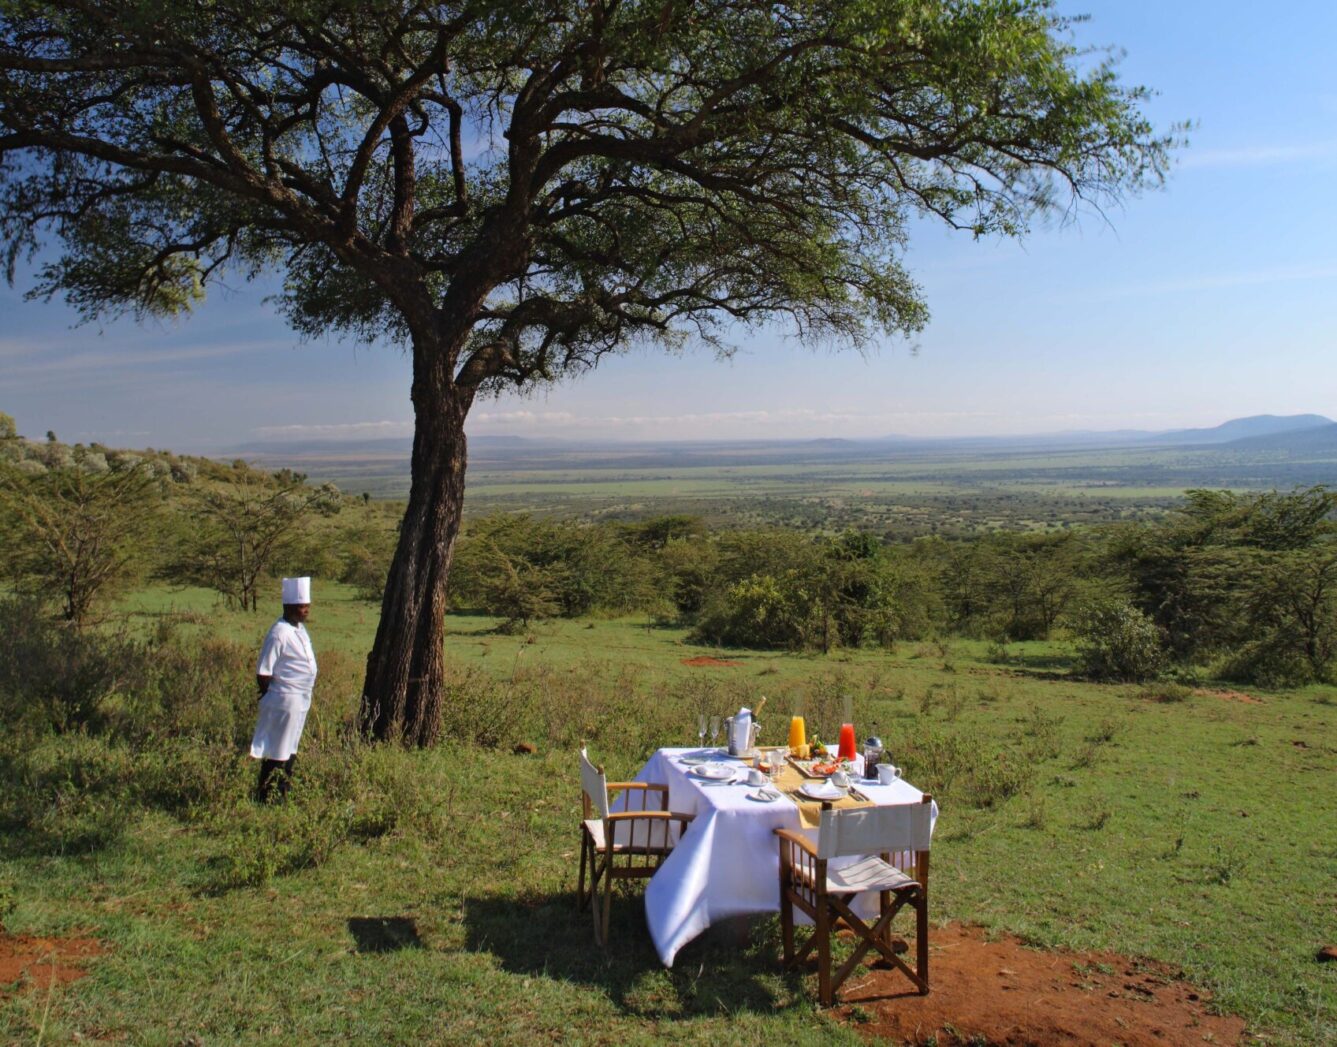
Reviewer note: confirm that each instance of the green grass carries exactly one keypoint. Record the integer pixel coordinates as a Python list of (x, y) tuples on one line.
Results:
[(428, 896)]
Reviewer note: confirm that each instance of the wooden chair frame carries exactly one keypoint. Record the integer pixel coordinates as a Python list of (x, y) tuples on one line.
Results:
[(622, 845), (804, 884)]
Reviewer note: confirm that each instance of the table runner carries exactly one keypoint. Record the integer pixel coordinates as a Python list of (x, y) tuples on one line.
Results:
[(790, 780)]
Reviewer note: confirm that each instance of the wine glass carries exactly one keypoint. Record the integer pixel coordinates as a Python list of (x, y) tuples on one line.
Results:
[(701, 730), (714, 730)]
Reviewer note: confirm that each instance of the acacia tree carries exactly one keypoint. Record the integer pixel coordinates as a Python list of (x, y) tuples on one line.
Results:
[(512, 190), (240, 529), (76, 530)]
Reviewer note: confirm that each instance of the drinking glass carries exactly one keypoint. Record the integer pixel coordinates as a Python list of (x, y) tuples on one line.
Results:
[(797, 735), (701, 730), (714, 730), (845, 750)]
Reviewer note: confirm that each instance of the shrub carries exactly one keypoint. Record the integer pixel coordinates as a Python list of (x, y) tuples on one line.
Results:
[(58, 678), (1118, 642), (1168, 692), (1270, 663), (964, 765), (763, 610)]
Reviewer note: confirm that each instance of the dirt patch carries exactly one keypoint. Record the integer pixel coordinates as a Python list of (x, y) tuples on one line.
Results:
[(1230, 696), (708, 661), (1005, 995), (34, 963)]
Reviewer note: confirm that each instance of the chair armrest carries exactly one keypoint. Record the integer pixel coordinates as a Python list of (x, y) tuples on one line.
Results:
[(649, 792), (626, 816), (798, 840)]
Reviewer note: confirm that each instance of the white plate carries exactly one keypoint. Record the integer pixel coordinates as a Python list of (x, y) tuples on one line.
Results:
[(713, 771), (822, 791), (692, 760), (766, 795)]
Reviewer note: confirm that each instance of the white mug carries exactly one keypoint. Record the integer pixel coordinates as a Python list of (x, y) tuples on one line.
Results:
[(840, 780), (886, 773), (755, 777)]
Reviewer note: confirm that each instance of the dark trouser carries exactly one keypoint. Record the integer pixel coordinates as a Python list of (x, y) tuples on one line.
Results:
[(268, 769)]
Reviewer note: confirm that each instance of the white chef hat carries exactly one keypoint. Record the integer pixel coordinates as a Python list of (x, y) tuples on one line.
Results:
[(296, 590)]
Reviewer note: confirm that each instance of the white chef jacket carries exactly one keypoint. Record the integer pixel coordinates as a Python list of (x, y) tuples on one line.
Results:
[(289, 659)]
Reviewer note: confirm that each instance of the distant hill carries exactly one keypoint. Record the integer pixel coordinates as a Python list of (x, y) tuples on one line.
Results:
[(1237, 429), (1318, 439)]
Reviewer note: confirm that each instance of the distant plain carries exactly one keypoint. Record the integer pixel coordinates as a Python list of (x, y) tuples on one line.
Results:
[(900, 490)]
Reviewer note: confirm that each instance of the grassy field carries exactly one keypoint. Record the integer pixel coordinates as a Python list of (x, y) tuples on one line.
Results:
[(412, 897)]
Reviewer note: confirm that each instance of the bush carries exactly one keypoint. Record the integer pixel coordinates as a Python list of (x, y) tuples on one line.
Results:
[(760, 611), (55, 677), (1118, 642), (964, 766), (1168, 692), (1270, 662)]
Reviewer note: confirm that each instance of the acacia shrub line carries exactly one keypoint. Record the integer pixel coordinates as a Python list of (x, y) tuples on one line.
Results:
[(1241, 586)]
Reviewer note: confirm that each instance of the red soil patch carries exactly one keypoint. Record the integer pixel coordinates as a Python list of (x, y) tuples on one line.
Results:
[(28, 963), (708, 661), (1230, 696), (1013, 996)]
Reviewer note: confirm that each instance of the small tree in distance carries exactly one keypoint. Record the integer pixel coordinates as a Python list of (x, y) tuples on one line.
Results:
[(514, 190), (241, 528), (74, 532)]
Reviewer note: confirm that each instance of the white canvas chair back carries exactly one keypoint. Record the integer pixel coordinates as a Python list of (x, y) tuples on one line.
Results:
[(595, 783), (902, 827)]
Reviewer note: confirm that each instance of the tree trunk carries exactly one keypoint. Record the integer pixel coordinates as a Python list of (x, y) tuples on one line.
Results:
[(403, 694)]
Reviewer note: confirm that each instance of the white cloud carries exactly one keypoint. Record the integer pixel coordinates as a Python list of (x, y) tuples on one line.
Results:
[(1214, 281), (42, 359), (385, 427), (1258, 155), (523, 418)]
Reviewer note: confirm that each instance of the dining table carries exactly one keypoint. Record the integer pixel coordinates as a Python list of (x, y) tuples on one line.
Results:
[(727, 862)]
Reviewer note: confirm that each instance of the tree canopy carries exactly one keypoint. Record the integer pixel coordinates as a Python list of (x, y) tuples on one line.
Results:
[(513, 190), (578, 172)]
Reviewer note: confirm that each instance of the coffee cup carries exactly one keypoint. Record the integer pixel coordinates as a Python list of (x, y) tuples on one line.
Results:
[(840, 780), (756, 777), (886, 773)]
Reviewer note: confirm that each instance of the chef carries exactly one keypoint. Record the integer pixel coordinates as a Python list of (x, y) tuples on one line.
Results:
[(285, 675)]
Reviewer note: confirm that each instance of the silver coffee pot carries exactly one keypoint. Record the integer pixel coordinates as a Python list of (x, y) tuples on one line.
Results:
[(741, 731)]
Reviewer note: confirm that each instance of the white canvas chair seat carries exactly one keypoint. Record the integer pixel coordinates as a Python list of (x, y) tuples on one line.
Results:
[(629, 839), (867, 874), (641, 837), (807, 883)]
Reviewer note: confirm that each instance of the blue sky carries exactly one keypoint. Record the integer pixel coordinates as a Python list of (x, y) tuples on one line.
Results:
[(1214, 298)]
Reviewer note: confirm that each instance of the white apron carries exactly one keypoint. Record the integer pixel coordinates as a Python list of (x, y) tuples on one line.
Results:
[(278, 730)]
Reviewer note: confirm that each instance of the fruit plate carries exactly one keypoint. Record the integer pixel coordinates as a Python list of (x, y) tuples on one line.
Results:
[(823, 768)]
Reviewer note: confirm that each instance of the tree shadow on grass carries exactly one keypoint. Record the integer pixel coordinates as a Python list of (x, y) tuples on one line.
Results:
[(377, 934), (732, 967)]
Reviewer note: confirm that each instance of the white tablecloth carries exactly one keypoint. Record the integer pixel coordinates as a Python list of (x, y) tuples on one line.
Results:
[(728, 861)]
